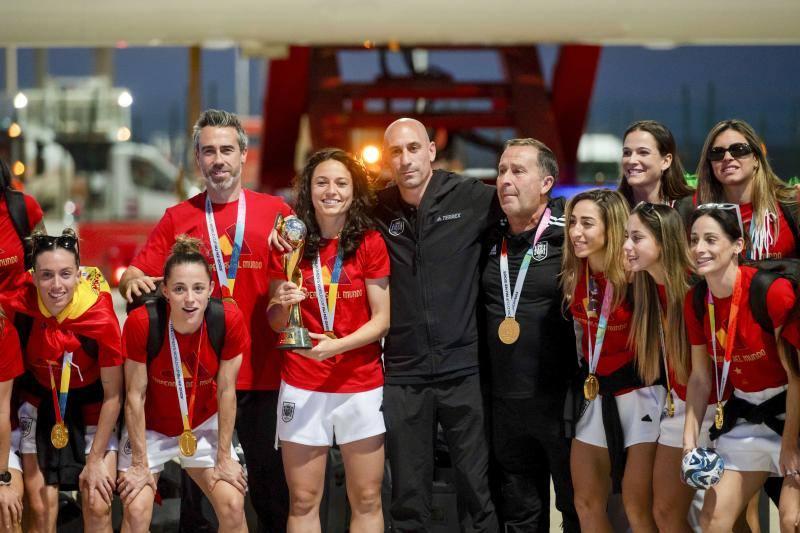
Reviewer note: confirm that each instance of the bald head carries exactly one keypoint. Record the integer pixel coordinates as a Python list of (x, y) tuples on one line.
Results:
[(409, 152)]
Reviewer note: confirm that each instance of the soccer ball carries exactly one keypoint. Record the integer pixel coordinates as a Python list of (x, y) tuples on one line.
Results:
[(702, 468)]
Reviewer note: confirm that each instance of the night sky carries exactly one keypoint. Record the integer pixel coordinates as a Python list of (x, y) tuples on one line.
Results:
[(688, 88)]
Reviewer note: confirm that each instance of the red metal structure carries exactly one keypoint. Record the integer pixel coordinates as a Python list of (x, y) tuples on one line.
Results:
[(308, 82)]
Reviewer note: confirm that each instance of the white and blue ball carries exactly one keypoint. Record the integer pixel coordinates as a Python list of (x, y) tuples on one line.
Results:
[(702, 468)]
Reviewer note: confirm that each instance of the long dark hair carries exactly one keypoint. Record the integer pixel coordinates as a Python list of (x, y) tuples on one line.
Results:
[(358, 216), (673, 182)]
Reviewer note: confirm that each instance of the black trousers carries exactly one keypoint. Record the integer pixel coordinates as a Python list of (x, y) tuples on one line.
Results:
[(412, 414), (528, 449), (256, 421)]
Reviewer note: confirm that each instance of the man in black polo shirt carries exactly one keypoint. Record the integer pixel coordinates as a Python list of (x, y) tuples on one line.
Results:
[(433, 224), (531, 344)]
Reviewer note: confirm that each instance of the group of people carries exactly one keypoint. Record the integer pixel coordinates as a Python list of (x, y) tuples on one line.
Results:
[(593, 341)]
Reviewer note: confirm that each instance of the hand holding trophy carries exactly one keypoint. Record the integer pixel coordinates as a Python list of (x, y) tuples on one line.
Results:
[(294, 336)]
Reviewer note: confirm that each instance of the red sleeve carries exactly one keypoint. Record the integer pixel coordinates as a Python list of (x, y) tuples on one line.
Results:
[(276, 265), (34, 211), (375, 260), (153, 255), (694, 328), (237, 339), (11, 364), (780, 300), (134, 336)]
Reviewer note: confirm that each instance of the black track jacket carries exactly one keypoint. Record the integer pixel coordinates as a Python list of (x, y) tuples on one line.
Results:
[(435, 251)]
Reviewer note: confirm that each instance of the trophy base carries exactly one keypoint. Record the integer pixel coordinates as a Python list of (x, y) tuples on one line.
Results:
[(294, 338)]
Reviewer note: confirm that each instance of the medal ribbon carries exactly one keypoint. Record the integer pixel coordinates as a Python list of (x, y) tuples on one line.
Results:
[(602, 324), (327, 308), (226, 278), (60, 397), (177, 371), (511, 301), (729, 337)]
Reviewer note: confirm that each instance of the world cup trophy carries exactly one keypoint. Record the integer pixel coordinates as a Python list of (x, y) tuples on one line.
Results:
[(294, 336)]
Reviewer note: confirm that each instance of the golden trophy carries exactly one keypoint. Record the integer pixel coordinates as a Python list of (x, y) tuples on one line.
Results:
[(294, 336)]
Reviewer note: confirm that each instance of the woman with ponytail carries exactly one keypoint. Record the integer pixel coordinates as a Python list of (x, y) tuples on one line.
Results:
[(180, 373)]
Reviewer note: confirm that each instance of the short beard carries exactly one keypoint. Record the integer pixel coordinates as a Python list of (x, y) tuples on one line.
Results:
[(223, 186)]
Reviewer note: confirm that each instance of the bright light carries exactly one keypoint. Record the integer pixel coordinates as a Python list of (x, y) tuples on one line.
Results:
[(118, 272), (14, 130), (125, 99), (70, 207), (123, 134), (371, 154), (18, 168), (20, 101)]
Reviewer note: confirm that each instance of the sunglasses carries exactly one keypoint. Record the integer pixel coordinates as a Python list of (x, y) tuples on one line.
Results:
[(737, 151), (43, 243), (725, 207)]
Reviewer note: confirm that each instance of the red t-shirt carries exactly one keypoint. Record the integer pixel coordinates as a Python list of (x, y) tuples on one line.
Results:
[(161, 408), (755, 364), (357, 370), (251, 291), (785, 247), (11, 364), (615, 353), (51, 337), (12, 257)]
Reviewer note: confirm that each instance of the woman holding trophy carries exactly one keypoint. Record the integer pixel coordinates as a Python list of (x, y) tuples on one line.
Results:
[(333, 389)]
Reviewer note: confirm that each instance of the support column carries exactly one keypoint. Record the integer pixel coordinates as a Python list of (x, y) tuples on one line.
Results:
[(193, 103)]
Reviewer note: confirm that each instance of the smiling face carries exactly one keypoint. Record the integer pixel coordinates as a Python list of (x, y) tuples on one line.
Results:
[(642, 163), (731, 171), (187, 289), (587, 231), (331, 189), (642, 250), (219, 158), (56, 275), (521, 187), (712, 248)]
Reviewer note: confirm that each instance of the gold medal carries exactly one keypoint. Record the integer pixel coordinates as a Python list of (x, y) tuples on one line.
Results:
[(508, 330), (591, 387), (719, 416), (670, 405), (329, 334), (187, 443), (59, 435)]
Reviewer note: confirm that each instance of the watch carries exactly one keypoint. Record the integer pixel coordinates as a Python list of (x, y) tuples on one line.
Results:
[(5, 478)]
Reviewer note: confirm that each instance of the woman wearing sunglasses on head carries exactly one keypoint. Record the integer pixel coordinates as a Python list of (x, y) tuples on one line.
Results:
[(622, 408), (730, 348), (71, 392), (734, 168), (11, 486), (658, 255), (181, 394), (651, 168)]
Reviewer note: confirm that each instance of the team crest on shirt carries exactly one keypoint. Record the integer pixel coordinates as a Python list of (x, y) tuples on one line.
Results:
[(25, 425), (396, 227), (287, 411), (540, 251)]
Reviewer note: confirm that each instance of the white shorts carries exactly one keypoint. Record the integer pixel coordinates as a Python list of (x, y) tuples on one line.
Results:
[(13, 452), (672, 426), (314, 418), (752, 447), (27, 425), (162, 448), (639, 412)]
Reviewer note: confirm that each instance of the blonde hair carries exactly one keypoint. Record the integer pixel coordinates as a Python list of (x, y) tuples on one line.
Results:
[(768, 188), (614, 211), (666, 226)]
